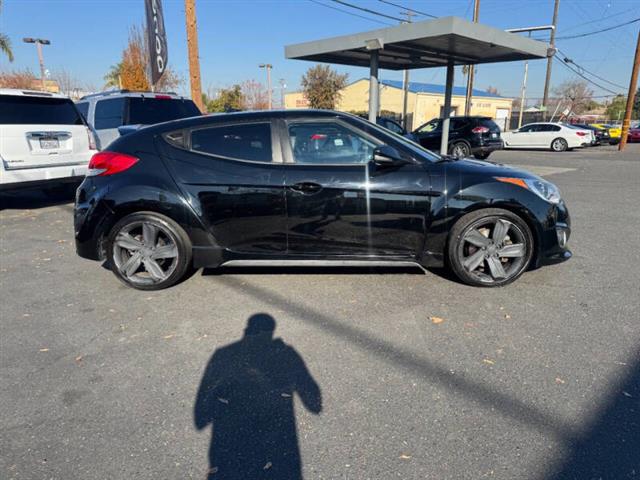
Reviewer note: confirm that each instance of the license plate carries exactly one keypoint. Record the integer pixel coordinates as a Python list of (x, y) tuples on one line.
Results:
[(494, 135), (48, 143)]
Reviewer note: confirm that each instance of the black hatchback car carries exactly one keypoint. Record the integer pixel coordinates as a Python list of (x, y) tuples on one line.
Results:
[(307, 188), (477, 136)]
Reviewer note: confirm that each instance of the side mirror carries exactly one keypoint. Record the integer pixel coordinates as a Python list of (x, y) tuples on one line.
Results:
[(387, 156)]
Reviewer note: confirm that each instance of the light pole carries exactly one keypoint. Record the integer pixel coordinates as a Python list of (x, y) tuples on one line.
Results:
[(268, 67), (39, 42), (283, 86)]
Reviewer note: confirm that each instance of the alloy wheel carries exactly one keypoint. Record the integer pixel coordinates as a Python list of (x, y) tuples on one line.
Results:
[(559, 145), (460, 150), (493, 250), (145, 252)]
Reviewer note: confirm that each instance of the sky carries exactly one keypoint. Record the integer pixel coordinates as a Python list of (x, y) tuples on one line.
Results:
[(235, 36)]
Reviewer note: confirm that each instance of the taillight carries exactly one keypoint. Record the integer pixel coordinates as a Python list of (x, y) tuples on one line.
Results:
[(581, 134), (480, 130), (163, 97), (92, 139), (108, 163)]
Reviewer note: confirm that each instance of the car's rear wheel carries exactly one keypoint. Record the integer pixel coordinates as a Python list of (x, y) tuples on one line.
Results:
[(148, 251), (460, 150), (490, 247), (559, 145)]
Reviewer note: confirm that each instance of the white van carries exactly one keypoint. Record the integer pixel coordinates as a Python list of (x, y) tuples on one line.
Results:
[(43, 140)]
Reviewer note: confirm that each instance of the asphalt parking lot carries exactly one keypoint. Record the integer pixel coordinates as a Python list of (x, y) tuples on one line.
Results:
[(395, 373)]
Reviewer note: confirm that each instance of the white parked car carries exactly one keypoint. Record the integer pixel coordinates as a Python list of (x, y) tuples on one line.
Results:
[(547, 135), (44, 140)]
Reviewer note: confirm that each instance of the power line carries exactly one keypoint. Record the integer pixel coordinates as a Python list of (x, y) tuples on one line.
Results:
[(372, 12), (409, 9), (599, 31), (572, 27), (582, 69), (350, 13), (585, 78)]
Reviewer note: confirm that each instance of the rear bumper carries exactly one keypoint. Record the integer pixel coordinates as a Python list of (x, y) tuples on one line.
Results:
[(32, 177), (487, 147)]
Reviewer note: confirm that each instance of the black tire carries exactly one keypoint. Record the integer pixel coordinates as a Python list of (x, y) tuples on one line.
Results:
[(169, 249), (460, 150), (482, 156), (462, 254), (559, 145)]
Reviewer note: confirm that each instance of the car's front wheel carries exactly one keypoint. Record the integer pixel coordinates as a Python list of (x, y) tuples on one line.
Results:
[(490, 247), (148, 251)]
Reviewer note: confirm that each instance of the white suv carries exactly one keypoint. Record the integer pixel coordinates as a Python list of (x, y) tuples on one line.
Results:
[(43, 140)]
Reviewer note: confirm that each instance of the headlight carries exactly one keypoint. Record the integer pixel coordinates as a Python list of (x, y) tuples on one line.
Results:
[(544, 189)]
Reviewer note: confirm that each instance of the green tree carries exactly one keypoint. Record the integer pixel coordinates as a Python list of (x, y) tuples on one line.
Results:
[(5, 43), (321, 86), (615, 109), (112, 78), (228, 99), (636, 105)]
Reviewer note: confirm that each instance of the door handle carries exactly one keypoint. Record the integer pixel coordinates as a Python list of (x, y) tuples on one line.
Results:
[(306, 188)]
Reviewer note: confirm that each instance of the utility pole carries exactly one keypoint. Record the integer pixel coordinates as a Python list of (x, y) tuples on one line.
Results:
[(552, 39), (470, 74), (630, 97), (39, 42), (405, 77), (194, 58), (524, 91), (268, 67)]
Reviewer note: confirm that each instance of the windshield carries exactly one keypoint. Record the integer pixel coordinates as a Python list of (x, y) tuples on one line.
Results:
[(27, 110), (147, 111)]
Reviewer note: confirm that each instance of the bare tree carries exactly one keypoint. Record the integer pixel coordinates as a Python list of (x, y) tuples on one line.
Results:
[(576, 94), (254, 94), (18, 79)]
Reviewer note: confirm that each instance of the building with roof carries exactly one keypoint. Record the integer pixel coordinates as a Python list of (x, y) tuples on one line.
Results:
[(425, 101)]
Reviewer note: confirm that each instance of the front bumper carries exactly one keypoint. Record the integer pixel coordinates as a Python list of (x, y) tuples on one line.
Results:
[(554, 238)]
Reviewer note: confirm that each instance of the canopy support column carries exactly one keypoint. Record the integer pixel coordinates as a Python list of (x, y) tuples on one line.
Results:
[(446, 112), (374, 86)]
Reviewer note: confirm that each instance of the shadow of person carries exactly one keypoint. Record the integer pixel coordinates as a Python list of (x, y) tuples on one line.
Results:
[(247, 394)]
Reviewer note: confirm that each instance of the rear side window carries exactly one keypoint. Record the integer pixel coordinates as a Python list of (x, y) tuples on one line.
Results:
[(83, 108), (490, 124), (147, 111), (109, 113), (242, 142), (25, 110)]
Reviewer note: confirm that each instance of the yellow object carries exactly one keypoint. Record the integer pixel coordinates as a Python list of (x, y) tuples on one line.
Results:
[(614, 132)]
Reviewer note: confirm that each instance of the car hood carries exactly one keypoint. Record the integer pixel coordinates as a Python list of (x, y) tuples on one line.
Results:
[(469, 166)]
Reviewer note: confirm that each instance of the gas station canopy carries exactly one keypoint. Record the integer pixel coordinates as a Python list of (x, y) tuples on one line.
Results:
[(432, 43), (444, 42)]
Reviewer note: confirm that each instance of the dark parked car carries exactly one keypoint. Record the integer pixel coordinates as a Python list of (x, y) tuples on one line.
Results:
[(307, 188), (392, 125), (602, 134), (477, 136)]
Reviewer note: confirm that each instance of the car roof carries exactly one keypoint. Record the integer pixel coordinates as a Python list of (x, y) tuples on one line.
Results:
[(243, 116), (30, 93), (131, 93)]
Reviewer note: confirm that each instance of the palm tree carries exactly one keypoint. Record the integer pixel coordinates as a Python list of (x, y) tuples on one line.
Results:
[(112, 78), (5, 43)]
